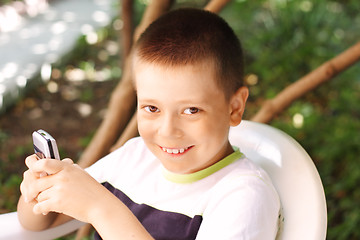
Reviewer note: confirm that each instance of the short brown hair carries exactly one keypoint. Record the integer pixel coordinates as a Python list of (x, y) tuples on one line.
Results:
[(189, 36)]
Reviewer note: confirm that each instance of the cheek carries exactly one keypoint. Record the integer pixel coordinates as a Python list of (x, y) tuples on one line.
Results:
[(216, 129), (220, 129), (144, 127)]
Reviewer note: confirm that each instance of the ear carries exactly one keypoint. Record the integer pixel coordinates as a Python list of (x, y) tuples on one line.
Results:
[(237, 105)]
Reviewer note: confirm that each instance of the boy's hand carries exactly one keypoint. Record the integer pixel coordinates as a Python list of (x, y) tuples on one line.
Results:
[(68, 189), (28, 187)]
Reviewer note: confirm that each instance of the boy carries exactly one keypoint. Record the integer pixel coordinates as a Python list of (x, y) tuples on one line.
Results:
[(181, 179)]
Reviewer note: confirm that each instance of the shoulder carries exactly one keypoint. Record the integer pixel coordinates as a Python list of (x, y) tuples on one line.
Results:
[(247, 202), (245, 188), (243, 170), (247, 179)]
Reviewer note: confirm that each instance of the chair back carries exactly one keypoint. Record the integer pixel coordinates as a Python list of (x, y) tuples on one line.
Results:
[(294, 176)]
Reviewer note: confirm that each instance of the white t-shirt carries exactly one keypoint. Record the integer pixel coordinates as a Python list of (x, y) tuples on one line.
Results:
[(232, 199)]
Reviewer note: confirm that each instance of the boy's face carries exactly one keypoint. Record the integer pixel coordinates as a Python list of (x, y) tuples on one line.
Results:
[(183, 116)]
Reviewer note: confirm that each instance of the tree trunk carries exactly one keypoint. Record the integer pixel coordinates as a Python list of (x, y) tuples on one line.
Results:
[(127, 30)]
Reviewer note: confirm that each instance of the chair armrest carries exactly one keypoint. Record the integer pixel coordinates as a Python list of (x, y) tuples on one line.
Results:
[(11, 229)]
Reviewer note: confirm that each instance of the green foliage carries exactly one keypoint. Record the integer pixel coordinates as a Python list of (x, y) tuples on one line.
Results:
[(283, 41), (3, 136), (9, 189), (4, 2), (85, 141), (9, 178)]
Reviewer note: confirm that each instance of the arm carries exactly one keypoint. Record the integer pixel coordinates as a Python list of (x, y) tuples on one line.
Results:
[(72, 191), (31, 221), (120, 221)]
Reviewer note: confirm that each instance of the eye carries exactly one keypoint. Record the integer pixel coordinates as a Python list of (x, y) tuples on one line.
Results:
[(151, 109), (191, 110)]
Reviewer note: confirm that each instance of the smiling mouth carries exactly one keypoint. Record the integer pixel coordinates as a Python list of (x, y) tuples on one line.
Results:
[(175, 151)]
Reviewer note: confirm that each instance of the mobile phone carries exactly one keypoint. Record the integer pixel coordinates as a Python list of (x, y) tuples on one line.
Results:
[(45, 145)]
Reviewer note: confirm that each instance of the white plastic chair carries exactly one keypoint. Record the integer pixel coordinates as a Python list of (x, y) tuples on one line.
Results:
[(11, 229), (294, 175), (291, 169)]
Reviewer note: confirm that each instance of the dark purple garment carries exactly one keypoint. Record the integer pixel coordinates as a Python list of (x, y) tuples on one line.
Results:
[(160, 224)]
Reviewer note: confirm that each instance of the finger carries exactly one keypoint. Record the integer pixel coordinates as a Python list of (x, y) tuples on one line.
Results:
[(25, 194), (68, 161), (44, 195), (41, 207), (30, 196), (33, 193), (32, 189), (27, 186), (30, 160), (43, 203), (47, 202), (50, 166)]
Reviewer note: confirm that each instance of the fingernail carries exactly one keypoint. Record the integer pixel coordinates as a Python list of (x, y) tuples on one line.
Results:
[(43, 174)]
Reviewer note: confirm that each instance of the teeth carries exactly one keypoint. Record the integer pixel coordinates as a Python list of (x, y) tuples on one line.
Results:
[(174, 150)]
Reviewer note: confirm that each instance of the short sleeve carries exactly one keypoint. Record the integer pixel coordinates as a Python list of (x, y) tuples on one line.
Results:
[(245, 208), (114, 163), (129, 162)]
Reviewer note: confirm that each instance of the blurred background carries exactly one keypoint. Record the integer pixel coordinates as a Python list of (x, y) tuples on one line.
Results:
[(283, 41)]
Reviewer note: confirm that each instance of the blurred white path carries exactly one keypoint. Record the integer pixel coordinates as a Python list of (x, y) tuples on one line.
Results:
[(29, 45)]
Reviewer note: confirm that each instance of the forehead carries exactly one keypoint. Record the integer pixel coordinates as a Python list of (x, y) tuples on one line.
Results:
[(182, 82)]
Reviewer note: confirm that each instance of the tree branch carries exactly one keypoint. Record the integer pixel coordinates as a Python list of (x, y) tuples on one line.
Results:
[(322, 74), (216, 6)]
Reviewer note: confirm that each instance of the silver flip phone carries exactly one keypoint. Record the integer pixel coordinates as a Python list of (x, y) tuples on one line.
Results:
[(45, 145)]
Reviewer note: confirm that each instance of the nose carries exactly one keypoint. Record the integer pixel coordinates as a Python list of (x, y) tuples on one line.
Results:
[(170, 126)]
